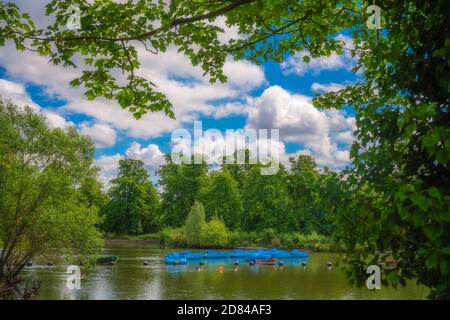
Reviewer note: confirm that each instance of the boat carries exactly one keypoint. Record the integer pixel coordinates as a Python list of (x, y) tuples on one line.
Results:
[(390, 264), (247, 255), (107, 259), (267, 261)]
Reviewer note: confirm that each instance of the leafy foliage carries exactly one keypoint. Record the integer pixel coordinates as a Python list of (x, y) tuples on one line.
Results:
[(214, 234), (134, 202), (398, 190), (222, 199), (195, 224), (112, 33), (181, 185), (49, 197)]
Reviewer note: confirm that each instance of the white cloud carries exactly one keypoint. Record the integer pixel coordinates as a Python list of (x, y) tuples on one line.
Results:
[(17, 94), (326, 87), (345, 137), (295, 64), (190, 93), (299, 122), (54, 120), (150, 155), (230, 109), (109, 166), (101, 134)]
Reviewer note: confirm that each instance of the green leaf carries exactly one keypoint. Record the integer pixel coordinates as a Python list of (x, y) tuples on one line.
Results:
[(431, 261), (430, 140), (420, 201), (443, 265), (433, 231), (424, 110)]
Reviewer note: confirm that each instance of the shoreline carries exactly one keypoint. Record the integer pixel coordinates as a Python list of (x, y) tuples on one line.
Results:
[(167, 246)]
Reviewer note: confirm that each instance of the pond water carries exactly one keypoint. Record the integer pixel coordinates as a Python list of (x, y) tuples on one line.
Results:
[(131, 279)]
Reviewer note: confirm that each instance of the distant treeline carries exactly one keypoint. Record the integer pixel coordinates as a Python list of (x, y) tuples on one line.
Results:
[(300, 199)]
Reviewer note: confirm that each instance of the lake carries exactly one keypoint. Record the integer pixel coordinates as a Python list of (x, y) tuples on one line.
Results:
[(131, 279)]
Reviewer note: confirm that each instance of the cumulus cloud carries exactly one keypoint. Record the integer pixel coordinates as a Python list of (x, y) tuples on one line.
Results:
[(101, 134), (108, 166), (17, 94), (299, 122), (150, 155), (296, 65), (326, 87)]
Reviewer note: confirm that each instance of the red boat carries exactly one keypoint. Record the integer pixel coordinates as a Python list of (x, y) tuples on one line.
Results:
[(266, 261), (390, 264)]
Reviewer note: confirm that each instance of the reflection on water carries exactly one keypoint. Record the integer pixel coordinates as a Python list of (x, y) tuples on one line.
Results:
[(131, 279)]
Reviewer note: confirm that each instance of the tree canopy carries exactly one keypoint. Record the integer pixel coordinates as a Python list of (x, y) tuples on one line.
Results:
[(133, 207), (112, 33), (46, 179)]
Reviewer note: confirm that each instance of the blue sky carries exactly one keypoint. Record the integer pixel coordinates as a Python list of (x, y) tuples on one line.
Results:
[(255, 97)]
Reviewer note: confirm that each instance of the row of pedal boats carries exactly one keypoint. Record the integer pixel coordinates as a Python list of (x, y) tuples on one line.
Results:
[(252, 256)]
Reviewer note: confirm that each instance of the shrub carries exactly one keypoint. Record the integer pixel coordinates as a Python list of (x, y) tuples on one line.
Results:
[(267, 235), (195, 222), (275, 242), (214, 234), (177, 237), (286, 240)]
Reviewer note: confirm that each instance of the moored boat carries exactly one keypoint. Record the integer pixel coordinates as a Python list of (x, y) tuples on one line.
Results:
[(107, 259), (266, 261)]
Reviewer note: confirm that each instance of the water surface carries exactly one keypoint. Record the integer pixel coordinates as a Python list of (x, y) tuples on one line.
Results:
[(130, 279)]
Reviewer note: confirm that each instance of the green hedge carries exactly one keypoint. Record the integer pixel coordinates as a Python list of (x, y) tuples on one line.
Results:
[(215, 235)]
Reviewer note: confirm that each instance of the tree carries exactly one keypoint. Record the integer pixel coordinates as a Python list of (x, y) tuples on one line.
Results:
[(181, 184), (112, 32), (134, 201), (195, 223), (266, 201), (239, 171), (398, 191), (223, 199), (308, 189), (214, 233), (44, 174)]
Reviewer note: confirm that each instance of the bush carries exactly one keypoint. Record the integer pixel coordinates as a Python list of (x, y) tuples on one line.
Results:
[(214, 234), (177, 237), (195, 223), (267, 235), (242, 238), (287, 240), (275, 242)]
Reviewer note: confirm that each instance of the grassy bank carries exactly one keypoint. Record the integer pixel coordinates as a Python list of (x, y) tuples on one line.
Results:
[(176, 237)]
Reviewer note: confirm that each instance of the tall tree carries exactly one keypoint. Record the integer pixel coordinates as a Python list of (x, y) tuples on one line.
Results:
[(134, 201), (266, 201), (222, 198), (181, 184), (195, 223), (398, 191), (44, 174), (308, 190)]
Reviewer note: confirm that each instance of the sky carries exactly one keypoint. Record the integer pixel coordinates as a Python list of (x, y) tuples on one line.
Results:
[(272, 95)]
